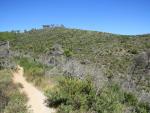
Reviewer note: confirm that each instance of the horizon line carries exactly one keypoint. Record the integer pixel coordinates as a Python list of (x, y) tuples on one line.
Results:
[(59, 25)]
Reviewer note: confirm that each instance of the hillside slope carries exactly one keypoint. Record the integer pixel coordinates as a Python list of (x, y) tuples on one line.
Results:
[(108, 58)]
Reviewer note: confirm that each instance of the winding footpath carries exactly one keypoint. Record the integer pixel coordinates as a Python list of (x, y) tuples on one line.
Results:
[(35, 97)]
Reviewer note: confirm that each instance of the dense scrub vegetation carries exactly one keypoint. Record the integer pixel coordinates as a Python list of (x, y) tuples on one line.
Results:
[(121, 59), (73, 95), (14, 101), (5, 36), (34, 72), (107, 49), (112, 51)]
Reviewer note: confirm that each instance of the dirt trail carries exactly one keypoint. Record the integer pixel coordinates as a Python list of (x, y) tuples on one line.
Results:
[(35, 97)]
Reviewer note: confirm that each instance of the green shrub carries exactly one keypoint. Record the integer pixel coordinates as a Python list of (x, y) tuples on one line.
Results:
[(16, 101), (147, 44), (34, 71), (5, 36), (73, 95), (27, 63), (68, 53), (133, 51), (109, 100), (72, 92), (130, 99), (143, 108)]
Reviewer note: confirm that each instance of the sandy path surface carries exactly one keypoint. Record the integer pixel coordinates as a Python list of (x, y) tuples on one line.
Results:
[(35, 97)]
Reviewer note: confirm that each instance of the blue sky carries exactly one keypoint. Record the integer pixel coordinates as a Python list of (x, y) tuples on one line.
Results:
[(115, 16)]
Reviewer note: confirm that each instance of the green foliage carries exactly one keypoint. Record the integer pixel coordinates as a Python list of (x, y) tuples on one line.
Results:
[(29, 64), (130, 99), (16, 101), (73, 95), (113, 52), (68, 52), (147, 44), (71, 92), (109, 100), (133, 51), (85, 45), (17, 104), (5, 36), (143, 108), (34, 71)]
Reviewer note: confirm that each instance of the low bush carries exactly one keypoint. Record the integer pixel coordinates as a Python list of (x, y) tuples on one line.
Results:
[(31, 67), (34, 72), (143, 108), (16, 102), (5, 36), (130, 99), (73, 95), (68, 53)]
